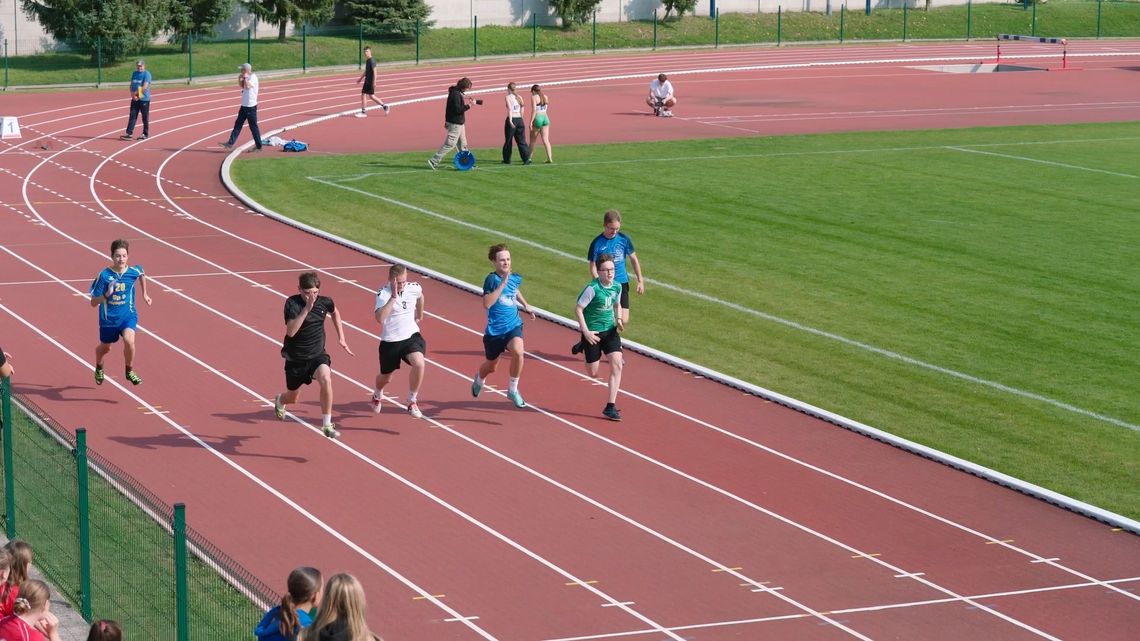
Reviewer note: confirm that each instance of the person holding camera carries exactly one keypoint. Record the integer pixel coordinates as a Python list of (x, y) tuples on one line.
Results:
[(247, 80), (453, 119)]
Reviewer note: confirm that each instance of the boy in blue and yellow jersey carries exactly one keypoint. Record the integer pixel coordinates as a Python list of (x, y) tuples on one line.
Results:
[(113, 292)]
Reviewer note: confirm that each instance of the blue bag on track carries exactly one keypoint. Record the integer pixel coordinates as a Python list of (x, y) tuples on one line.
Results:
[(294, 145)]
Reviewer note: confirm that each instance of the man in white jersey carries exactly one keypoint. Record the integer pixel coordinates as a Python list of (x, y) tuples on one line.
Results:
[(399, 310)]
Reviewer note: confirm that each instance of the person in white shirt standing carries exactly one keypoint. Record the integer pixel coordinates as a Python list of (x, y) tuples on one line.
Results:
[(661, 96), (247, 80), (399, 310)]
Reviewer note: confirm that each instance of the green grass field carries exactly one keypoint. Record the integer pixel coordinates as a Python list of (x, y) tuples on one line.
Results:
[(975, 290)]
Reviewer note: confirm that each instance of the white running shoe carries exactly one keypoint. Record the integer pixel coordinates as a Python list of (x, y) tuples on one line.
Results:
[(375, 402), (361, 114), (330, 431), (667, 113), (414, 410)]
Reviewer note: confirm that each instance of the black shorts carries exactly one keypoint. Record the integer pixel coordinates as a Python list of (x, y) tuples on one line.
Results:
[(298, 373), (393, 352), (609, 341), (494, 346), (624, 295), (368, 89)]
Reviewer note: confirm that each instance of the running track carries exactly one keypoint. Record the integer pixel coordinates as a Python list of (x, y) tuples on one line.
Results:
[(708, 514)]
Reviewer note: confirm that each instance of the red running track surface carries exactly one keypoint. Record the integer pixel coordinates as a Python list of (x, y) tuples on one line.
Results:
[(707, 514)]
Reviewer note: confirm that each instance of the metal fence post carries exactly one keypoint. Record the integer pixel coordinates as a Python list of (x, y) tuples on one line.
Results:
[(98, 61), (6, 57), (190, 58), (904, 20), (1098, 3), (969, 18), (249, 46), (779, 24), (716, 31), (475, 37), (417, 42), (842, 16), (655, 29), (84, 518), (359, 46), (1033, 21), (304, 48), (594, 32), (9, 474), (534, 35), (181, 585)]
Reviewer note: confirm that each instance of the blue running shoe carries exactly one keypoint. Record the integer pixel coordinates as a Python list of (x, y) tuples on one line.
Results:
[(516, 398), (476, 387)]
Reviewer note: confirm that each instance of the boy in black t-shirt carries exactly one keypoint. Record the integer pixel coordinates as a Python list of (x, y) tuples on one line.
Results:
[(304, 348)]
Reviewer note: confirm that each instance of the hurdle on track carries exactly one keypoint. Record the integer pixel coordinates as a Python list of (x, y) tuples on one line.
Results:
[(1038, 39)]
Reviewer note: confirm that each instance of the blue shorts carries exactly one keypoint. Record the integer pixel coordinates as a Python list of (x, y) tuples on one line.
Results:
[(110, 333), (494, 346)]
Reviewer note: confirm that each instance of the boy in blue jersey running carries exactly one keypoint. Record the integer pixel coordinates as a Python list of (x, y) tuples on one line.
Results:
[(503, 300), (619, 246), (113, 292), (599, 321)]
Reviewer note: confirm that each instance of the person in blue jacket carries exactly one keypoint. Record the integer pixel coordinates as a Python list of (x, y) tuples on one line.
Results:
[(284, 622), (140, 101)]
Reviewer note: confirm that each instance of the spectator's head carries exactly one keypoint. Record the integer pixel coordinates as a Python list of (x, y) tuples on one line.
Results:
[(368, 52), (343, 600), (246, 67), (464, 83), (21, 555), (303, 588), (5, 565), (140, 64), (105, 630), (662, 77), (309, 280), (33, 599)]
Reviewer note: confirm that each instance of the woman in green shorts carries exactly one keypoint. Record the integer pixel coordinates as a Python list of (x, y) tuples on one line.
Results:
[(540, 126)]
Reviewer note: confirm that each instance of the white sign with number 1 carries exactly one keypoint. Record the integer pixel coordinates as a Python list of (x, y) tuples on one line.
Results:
[(10, 127)]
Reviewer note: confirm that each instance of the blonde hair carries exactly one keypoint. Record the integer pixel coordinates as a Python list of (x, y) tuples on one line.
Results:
[(343, 600), (34, 595)]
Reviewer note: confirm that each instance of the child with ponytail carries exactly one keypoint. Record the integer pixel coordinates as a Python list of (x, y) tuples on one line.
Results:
[(284, 622), (31, 619)]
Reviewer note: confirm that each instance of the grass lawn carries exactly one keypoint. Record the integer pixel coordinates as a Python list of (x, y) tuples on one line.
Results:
[(974, 290)]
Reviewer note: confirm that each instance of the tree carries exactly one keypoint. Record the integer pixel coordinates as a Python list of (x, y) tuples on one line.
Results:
[(574, 11), (282, 12), (196, 17), (388, 16), (680, 6), (116, 27)]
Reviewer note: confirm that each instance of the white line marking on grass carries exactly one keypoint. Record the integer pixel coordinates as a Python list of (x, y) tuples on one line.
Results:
[(759, 314), (1043, 162)]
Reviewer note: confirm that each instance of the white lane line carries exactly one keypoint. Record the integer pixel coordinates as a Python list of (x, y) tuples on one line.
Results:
[(1051, 163), (873, 608)]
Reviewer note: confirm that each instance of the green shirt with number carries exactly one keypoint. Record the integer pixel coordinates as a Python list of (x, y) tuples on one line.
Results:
[(597, 302)]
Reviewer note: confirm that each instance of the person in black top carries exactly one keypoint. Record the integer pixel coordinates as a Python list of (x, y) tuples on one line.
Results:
[(304, 348), (453, 119), (368, 92)]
